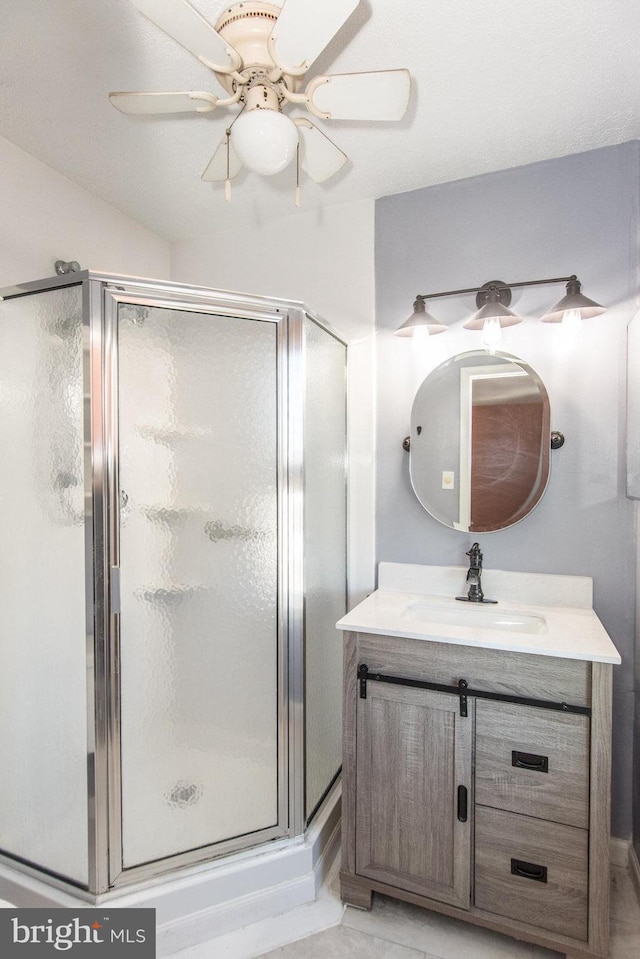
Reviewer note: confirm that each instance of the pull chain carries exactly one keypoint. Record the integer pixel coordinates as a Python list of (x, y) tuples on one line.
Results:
[(227, 182), (297, 193)]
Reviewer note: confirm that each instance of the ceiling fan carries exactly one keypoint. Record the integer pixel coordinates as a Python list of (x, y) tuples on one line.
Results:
[(259, 53)]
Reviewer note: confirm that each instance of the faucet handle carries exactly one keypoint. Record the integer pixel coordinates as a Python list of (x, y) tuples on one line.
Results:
[(475, 555)]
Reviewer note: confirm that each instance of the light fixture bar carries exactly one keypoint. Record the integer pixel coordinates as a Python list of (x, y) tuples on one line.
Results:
[(493, 300), (501, 286)]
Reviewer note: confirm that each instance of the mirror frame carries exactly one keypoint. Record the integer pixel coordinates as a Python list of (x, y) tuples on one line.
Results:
[(429, 430)]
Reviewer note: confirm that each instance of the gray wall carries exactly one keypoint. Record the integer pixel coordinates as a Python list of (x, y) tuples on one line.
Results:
[(636, 738), (578, 214)]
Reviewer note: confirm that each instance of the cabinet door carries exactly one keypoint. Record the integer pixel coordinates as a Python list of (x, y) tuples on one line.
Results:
[(413, 752)]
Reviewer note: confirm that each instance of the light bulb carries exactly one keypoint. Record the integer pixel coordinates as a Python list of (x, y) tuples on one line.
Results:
[(571, 318), (569, 330), (419, 339), (265, 140), (492, 334)]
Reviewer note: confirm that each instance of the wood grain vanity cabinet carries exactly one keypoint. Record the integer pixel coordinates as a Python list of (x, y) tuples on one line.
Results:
[(412, 758), (487, 801)]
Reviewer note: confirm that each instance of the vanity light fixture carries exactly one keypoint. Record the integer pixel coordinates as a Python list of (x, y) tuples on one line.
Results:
[(493, 315), (574, 303), (493, 299), (422, 320)]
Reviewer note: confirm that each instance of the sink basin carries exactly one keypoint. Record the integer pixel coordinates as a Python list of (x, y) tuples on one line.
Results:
[(476, 616)]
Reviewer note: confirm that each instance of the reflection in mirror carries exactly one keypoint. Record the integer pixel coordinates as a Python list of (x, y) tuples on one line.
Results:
[(480, 441)]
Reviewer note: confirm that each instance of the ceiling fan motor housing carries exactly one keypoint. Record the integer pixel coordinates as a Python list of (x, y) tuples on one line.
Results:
[(247, 27), (261, 96)]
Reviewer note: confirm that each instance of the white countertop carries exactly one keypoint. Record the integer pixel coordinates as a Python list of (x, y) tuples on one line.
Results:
[(568, 632)]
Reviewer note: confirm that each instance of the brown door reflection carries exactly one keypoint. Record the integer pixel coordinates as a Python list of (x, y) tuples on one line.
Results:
[(506, 455)]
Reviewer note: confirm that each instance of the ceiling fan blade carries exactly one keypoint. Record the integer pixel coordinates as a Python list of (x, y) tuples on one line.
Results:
[(381, 95), (181, 21), (150, 103), (321, 158), (217, 168), (303, 30)]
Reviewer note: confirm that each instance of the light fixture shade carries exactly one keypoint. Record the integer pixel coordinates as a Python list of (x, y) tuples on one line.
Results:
[(573, 302), (493, 310), (420, 319), (264, 140)]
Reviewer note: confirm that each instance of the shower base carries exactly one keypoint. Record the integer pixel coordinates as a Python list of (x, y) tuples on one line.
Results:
[(200, 903)]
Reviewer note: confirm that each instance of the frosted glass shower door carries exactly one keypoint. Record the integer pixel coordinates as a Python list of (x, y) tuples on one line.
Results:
[(43, 630), (200, 643)]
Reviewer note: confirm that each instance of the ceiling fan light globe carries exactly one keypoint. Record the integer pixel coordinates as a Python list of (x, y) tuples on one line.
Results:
[(265, 141)]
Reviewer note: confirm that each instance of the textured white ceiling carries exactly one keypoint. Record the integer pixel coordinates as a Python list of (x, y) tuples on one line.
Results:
[(496, 84)]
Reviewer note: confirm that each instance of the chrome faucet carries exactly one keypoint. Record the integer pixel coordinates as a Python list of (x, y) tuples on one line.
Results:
[(474, 578)]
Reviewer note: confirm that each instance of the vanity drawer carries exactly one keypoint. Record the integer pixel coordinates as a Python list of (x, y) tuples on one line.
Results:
[(532, 871), (533, 761)]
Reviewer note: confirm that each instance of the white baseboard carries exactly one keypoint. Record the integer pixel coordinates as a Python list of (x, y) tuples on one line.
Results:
[(292, 879), (277, 931), (623, 854), (619, 851), (200, 927), (634, 870)]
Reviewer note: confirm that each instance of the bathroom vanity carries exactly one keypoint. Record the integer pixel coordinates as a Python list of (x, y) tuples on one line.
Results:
[(476, 753)]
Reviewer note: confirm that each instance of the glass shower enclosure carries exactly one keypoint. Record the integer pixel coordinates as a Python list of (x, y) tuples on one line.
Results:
[(172, 565)]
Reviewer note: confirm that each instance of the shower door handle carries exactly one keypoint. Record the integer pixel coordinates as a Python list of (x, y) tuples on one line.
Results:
[(116, 605)]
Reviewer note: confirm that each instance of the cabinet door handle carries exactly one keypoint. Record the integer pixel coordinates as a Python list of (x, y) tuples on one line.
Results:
[(528, 870), (462, 803), (538, 764)]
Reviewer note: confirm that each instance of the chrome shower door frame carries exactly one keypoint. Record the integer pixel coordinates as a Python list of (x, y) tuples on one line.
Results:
[(302, 372), (106, 293), (91, 351), (101, 294)]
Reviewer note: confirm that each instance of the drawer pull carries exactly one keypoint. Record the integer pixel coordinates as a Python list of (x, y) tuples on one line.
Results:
[(528, 870), (462, 803), (538, 764)]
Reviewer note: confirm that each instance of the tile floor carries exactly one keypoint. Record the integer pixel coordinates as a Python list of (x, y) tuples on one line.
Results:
[(396, 930)]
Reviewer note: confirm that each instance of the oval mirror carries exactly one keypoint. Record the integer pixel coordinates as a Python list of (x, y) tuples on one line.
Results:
[(480, 441)]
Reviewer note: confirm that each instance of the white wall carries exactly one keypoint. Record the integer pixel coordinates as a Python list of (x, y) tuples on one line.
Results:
[(636, 725), (323, 257), (326, 259), (46, 217)]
